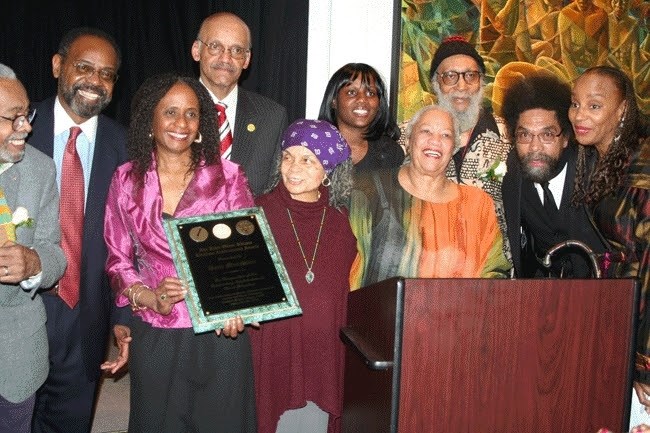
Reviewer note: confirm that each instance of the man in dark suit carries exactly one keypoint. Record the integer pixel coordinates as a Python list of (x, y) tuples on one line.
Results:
[(538, 186), (223, 50), (86, 67), (30, 256)]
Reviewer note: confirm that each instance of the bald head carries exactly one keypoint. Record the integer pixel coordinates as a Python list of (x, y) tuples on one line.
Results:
[(224, 19), (221, 35)]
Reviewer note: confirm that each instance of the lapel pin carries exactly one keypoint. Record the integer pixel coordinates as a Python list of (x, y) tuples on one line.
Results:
[(250, 127)]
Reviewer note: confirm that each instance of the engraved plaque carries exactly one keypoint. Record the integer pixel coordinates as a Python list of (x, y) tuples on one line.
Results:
[(232, 266)]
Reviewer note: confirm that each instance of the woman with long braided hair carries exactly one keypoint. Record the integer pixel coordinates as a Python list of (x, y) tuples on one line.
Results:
[(613, 179)]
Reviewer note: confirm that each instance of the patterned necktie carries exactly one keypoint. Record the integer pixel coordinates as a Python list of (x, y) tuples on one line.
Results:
[(549, 201), (7, 228), (71, 215), (224, 131)]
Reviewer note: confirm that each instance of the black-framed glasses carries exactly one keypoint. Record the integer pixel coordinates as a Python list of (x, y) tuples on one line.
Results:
[(450, 78), (19, 120), (107, 75), (216, 49), (544, 137)]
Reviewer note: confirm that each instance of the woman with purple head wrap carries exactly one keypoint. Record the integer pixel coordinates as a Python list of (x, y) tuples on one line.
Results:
[(299, 361)]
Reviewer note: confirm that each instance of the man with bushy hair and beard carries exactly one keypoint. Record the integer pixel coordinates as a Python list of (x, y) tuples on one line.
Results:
[(457, 77), (538, 186), (79, 307)]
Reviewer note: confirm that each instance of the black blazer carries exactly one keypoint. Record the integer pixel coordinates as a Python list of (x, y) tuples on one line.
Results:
[(98, 311), (575, 220), (259, 125)]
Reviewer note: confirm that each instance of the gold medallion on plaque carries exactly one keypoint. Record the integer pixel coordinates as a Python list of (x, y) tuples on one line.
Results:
[(198, 234), (244, 227)]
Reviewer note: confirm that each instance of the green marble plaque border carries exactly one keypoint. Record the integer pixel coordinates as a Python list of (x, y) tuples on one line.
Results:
[(204, 323)]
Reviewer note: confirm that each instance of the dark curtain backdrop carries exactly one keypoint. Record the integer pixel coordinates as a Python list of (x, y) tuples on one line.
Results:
[(156, 36)]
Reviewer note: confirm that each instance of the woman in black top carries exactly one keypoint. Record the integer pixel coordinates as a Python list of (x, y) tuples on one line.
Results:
[(356, 102)]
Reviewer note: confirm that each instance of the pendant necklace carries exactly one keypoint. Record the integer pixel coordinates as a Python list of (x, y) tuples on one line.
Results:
[(309, 276), (181, 191)]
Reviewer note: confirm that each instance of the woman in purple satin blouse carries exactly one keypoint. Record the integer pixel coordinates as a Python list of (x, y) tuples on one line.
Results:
[(180, 381)]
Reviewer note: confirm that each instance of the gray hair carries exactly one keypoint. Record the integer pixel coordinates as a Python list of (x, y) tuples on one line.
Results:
[(340, 182), (7, 72), (416, 118)]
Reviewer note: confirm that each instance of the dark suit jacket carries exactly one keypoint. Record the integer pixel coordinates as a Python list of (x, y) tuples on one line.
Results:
[(574, 221), (97, 309), (259, 125)]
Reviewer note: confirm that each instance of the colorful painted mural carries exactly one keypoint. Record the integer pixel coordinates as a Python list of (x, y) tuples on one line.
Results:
[(517, 36)]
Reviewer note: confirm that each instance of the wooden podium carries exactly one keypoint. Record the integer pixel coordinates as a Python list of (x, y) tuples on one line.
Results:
[(493, 356)]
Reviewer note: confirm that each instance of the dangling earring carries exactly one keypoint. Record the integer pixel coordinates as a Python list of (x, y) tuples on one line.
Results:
[(199, 138), (326, 181), (619, 129)]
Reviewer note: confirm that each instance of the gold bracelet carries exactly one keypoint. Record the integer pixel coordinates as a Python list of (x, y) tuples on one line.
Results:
[(137, 307), (129, 294), (133, 297)]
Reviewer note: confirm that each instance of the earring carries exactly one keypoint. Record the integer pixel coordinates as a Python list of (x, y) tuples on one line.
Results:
[(199, 138), (326, 181), (150, 134), (619, 129)]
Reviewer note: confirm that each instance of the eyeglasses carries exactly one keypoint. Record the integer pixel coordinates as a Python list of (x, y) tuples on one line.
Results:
[(18, 121), (450, 78), (216, 49), (544, 137), (87, 70)]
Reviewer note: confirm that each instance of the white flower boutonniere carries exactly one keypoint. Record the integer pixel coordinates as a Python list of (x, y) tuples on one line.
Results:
[(495, 173), (21, 217)]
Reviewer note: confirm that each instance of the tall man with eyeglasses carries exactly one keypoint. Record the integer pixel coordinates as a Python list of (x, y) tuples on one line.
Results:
[(538, 186), (457, 77), (30, 257), (85, 66), (223, 50)]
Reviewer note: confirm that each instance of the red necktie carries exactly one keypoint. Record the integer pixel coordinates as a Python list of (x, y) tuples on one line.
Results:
[(224, 131), (71, 216)]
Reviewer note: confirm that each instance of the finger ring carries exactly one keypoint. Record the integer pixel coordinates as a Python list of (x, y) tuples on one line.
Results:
[(163, 297), (6, 270)]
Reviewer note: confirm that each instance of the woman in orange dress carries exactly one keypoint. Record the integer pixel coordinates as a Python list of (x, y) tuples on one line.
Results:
[(414, 222)]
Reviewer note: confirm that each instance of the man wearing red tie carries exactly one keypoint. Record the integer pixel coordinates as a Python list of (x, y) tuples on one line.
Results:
[(86, 147), (250, 125)]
